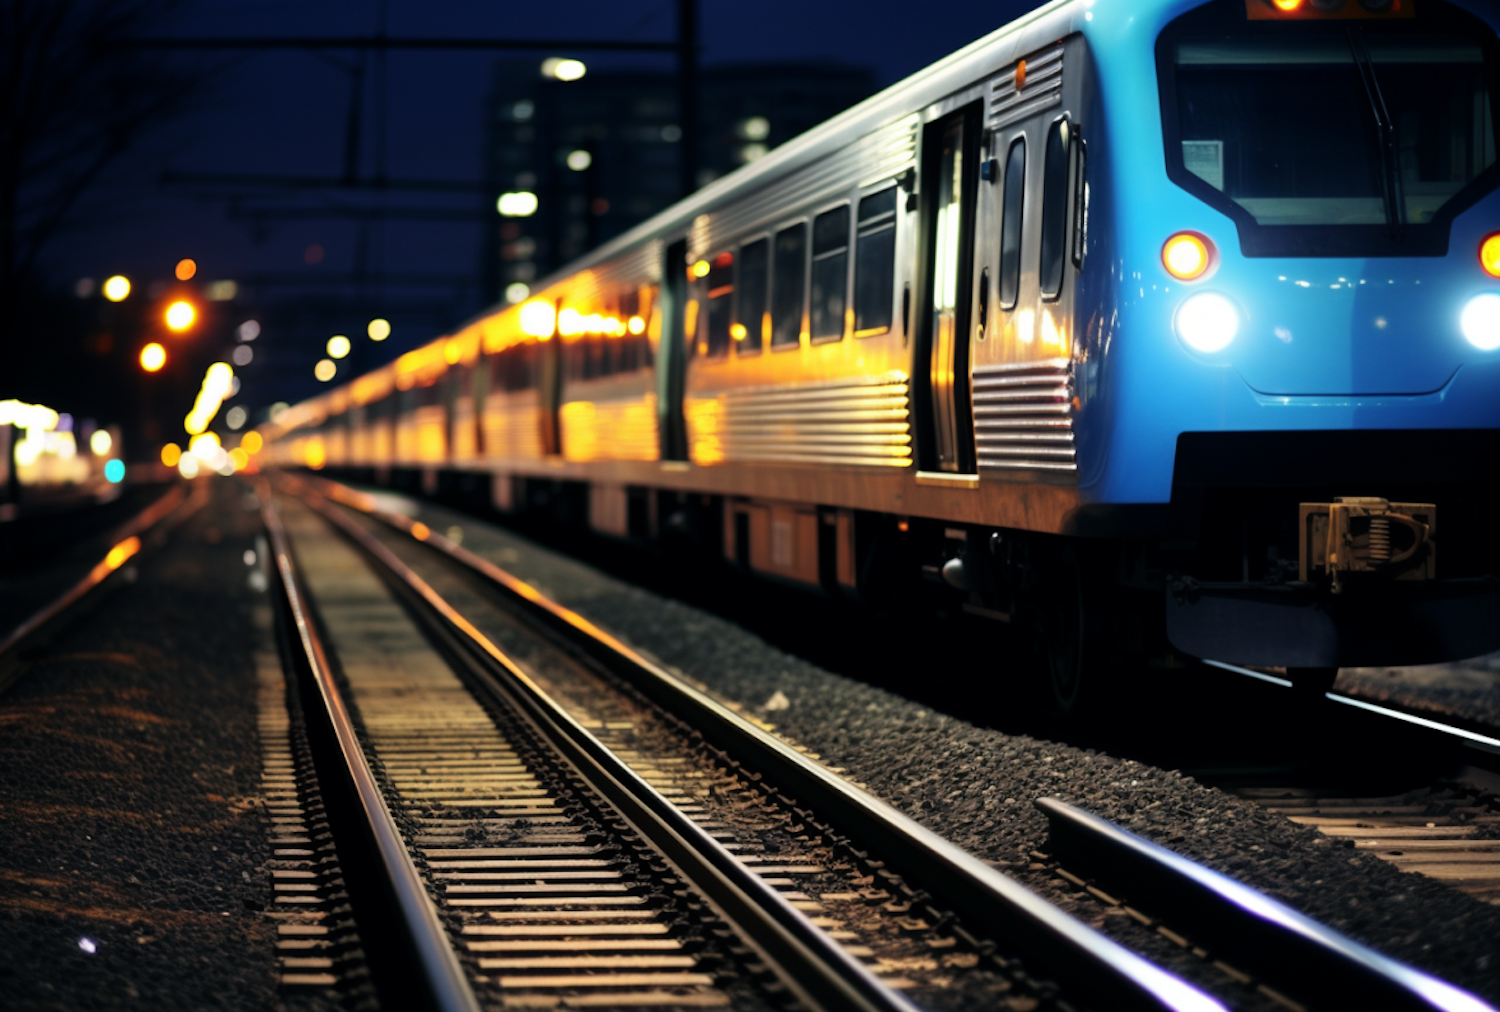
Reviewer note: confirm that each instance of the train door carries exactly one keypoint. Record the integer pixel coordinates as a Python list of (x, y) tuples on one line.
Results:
[(950, 164), (549, 389), (1031, 248), (671, 355)]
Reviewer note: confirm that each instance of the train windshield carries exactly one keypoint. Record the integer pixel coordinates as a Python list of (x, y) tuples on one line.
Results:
[(1346, 142)]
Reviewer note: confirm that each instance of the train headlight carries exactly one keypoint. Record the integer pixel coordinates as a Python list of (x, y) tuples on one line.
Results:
[(1208, 322), (1188, 256), (1489, 254), (1480, 321)]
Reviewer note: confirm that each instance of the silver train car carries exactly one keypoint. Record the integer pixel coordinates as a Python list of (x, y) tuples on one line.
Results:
[(1097, 326)]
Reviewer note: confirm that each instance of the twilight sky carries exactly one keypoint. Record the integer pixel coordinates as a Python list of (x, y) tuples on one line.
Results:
[(285, 112)]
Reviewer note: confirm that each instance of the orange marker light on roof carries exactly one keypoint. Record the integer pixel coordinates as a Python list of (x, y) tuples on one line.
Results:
[(1489, 254), (1286, 5), (1187, 256)]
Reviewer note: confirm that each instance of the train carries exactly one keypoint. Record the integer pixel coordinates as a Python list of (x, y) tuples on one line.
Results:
[(1153, 328)]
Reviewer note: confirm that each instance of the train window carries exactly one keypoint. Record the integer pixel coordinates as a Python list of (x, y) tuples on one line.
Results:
[(753, 284), (1010, 224), (788, 283), (875, 264), (1402, 135), (1055, 209), (830, 273), (720, 283)]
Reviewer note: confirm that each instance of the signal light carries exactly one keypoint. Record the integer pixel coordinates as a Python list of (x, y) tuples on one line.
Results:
[(1334, 10), (1489, 254), (1188, 256)]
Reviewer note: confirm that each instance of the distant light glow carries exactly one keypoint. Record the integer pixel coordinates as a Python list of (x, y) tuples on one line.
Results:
[(579, 159), (517, 291), (379, 329), (325, 370), (338, 346), (1481, 321), (101, 442), (114, 471), (1208, 322), (277, 410), (671, 133), (235, 418), (223, 291), (186, 268), (756, 128), (242, 355), (187, 466), (180, 315), (517, 203), (1286, 5), (636, 325), (249, 330), (117, 288), (538, 318), (87, 945), (171, 454), (239, 458), (251, 442), (523, 110), (83, 287), (563, 70), (28, 416), (753, 152), (153, 357), (218, 384)]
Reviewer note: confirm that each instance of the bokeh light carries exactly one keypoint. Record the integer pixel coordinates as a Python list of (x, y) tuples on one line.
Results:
[(338, 346), (186, 268), (117, 288), (114, 471), (153, 357), (325, 370), (379, 329), (180, 315), (101, 442), (251, 442), (171, 454)]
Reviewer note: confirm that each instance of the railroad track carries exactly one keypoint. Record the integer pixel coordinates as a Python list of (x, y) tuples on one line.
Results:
[(1440, 819), (136, 537), (804, 889)]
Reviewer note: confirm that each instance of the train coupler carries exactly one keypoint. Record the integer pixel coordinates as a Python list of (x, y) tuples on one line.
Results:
[(1358, 535)]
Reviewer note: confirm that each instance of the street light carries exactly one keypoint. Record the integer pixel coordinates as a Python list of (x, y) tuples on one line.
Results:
[(180, 316)]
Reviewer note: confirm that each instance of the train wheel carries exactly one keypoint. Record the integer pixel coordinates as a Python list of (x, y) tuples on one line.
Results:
[(1311, 681), (1067, 622)]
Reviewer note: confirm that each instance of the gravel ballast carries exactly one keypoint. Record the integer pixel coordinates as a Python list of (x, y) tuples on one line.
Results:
[(133, 854)]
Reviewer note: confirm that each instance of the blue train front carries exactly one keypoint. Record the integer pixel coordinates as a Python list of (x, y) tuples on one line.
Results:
[(1293, 303)]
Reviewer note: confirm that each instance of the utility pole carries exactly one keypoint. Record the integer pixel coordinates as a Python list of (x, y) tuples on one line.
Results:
[(687, 94)]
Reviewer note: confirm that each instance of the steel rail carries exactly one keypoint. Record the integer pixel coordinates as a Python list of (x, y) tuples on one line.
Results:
[(1451, 734), (987, 903), (1304, 959), (439, 978), (127, 544), (822, 974)]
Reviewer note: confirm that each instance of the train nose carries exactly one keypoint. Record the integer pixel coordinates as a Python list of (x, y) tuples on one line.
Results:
[(1383, 333)]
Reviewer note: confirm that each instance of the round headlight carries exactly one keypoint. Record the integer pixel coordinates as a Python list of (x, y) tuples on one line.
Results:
[(1208, 322), (1480, 321)]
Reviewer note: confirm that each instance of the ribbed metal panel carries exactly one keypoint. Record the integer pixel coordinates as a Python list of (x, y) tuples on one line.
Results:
[(859, 420), (1023, 416), (1043, 89), (881, 154)]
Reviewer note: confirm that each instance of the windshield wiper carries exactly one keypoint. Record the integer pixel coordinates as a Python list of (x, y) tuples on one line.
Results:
[(1390, 173)]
